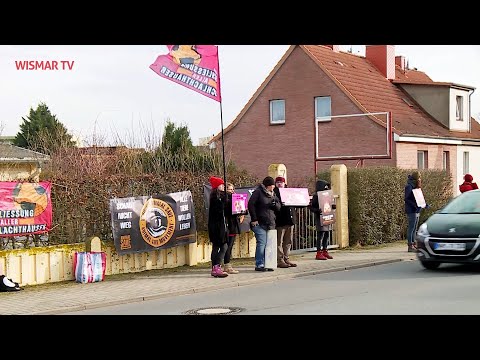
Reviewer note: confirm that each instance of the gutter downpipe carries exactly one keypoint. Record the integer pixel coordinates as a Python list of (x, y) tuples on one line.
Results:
[(470, 111)]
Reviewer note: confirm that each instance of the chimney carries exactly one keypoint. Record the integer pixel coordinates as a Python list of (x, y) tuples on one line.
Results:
[(400, 62), (383, 58), (335, 48)]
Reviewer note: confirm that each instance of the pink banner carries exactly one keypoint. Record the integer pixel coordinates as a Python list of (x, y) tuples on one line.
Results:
[(25, 208), (193, 66), (294, 196)]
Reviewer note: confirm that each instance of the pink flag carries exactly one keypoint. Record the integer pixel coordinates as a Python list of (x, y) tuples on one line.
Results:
[(193, 66)]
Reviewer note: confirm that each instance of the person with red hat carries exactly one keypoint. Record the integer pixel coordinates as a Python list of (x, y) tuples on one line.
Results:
[(468, 184), (217, 226), (285, 222)]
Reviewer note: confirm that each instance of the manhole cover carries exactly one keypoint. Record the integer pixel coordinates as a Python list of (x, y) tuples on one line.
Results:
[(214, 311)]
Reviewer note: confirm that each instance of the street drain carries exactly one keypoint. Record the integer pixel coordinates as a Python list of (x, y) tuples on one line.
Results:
[(214, 311)]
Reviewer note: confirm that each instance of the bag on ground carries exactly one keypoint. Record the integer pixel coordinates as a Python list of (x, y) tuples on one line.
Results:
[(89, 266)]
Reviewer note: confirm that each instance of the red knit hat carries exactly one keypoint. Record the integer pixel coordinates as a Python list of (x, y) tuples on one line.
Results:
[(468, 178), (216, 182), (279, 179)]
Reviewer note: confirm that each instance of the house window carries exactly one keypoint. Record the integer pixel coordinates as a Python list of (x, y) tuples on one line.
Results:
[(466, 162), (323, 108), (446, 161), (422, 159), (459, 112), (277, 111)]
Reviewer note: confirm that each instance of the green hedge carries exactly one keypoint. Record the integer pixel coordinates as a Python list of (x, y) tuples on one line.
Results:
[(376, 207)]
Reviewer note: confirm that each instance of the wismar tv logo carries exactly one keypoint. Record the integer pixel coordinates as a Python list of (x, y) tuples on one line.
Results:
[(44, 65)]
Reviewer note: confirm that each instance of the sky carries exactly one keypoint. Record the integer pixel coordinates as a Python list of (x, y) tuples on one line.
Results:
[(110, 96)]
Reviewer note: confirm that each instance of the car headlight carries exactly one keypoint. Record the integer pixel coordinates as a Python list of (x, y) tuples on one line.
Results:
[(423, 230)]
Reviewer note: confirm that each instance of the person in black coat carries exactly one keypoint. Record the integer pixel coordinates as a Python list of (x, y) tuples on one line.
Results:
[(262, 206), (285, 222), (217, 226), (323, 231)]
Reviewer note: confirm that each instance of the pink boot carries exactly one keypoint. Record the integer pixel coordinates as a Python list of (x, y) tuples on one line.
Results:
[(218, 272)]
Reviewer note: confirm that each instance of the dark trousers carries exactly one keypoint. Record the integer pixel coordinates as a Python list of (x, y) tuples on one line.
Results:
[(228, 254), (218, 253), (322, 240), (412, 227)]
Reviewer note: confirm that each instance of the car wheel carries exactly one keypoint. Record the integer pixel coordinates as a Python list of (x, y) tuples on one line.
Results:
[(430, 265)]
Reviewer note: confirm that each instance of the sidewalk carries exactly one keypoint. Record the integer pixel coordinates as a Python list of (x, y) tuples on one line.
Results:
[(58, 298)]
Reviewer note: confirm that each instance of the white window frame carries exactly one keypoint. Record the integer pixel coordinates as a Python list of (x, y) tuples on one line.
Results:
[(422, 159), (459, 108), (323, 117), (466, 162), (446, 161), (278, 102)]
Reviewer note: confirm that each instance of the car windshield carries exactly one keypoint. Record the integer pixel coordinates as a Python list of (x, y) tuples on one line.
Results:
[(466, 203)]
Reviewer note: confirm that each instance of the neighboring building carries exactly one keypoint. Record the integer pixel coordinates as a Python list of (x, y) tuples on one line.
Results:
[(432, 126), (17, 163)]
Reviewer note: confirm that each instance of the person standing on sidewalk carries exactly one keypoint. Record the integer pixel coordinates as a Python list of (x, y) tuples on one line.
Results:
[(217, 226), (323, 231), (414, 181), (262, 206), (285, 222), (233, 223)]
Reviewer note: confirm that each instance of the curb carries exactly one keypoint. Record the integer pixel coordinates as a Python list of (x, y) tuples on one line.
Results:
[(210, 288)]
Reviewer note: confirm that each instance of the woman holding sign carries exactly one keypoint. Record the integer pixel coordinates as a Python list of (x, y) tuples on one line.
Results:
[(217, 226), (321, 209), (412, 208)]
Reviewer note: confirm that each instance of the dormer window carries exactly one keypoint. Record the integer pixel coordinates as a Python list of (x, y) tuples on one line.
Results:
[(459, 111)]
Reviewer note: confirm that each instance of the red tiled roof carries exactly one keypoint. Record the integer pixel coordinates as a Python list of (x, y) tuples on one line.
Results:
[(373, 92), (411, 75), (365, 85)]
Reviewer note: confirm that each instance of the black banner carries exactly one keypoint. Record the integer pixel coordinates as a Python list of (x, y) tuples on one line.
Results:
[(146, 223), (245, 225)]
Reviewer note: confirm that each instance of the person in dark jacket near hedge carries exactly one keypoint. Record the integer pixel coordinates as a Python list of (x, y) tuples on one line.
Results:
[(412, 210), (323, 231), (262, 206), (285, 222), (217, 226)]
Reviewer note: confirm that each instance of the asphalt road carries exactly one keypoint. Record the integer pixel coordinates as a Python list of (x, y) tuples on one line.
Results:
[(391, 289)]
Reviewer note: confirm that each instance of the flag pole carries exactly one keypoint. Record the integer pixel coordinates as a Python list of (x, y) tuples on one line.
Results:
[(221, 123)]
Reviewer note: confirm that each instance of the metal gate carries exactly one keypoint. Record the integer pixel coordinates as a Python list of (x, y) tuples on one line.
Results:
[(304, 233)]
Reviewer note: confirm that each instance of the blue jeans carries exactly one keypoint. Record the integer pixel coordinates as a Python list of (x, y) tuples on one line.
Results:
[(261, 244), (412, 227)]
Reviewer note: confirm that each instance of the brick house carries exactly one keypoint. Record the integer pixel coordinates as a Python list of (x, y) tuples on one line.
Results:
[(432, 127)]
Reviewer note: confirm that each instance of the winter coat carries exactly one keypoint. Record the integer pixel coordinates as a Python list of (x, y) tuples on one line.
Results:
[(262, 207), (217, 226), (286, 216), (233, 220), (410, 202), (467, 186), (320, 185)]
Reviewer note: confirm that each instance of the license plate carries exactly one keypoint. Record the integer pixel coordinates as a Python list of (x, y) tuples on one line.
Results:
[(450, 246)]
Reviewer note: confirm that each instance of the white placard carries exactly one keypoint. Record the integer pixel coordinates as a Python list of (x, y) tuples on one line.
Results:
[(419, 197), (271, 250)]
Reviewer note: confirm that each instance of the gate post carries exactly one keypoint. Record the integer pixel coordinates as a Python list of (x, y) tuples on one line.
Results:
[(275, 170), (338, 175)]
